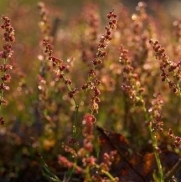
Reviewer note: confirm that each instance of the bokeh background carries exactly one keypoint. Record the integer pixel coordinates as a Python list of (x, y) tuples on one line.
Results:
[(22, 126)]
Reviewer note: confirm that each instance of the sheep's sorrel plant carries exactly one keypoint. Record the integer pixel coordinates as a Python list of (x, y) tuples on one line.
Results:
[(86, 105), (5, 55)]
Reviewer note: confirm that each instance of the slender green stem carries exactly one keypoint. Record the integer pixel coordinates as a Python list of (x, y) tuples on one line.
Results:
[(155, 148), (108, 175), (71, 170), (87, 171), (154, 143), (75, 124), (77, 105)]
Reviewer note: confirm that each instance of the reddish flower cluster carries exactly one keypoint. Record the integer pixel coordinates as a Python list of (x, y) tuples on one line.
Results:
[(48, 50), (63, 160), (155, 111), (44, 23), (88, 124), (92, 81), (105, 38), (59, 68), (44, 26), (99, 171), (69, 150), (177, 139), (96, 93), (170, 71), (84, 152), (44, 75), (72, 141), (108, 160), (131, 84), (89, 161), (7, 52), (95, 98), (104, 167), (8, 37)]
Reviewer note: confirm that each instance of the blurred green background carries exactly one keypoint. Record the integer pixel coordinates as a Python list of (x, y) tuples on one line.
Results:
[(71, 6)]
